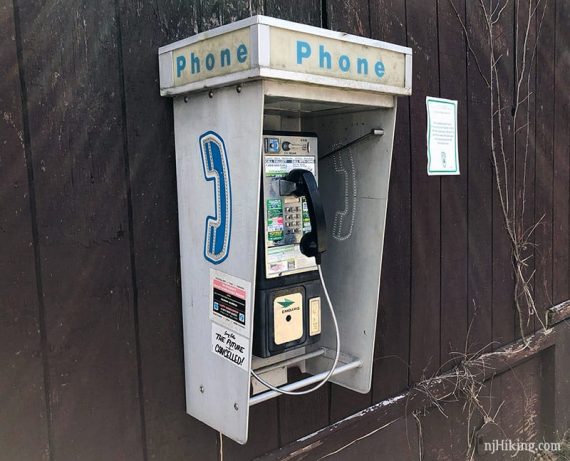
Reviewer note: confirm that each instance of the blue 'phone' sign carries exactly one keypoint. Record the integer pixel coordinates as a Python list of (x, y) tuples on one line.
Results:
[(216, 169)]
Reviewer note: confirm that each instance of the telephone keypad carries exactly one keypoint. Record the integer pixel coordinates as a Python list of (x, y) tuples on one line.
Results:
[(292, 223)]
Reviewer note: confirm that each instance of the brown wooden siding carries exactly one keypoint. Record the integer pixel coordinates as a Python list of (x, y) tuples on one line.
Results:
[(91, 358)]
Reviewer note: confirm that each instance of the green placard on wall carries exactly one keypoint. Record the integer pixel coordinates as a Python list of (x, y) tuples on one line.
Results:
[(442, 151)]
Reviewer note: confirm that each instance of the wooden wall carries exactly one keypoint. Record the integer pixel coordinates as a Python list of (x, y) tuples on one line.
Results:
[(91, 362)]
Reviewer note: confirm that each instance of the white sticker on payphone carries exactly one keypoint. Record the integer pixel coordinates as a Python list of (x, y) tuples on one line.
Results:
[(283, 164), (230, 301), (231, 346)]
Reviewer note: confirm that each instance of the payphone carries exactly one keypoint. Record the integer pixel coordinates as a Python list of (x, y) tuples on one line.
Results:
[(289, 292), (284, 137)]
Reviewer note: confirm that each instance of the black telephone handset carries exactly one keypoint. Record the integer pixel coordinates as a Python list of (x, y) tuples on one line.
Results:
[(314, 242)]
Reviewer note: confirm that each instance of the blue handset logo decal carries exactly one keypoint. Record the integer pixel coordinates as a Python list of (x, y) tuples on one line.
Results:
[(216, 169)]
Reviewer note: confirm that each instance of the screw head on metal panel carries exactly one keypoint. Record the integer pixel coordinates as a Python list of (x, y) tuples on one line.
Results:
[(236, 406), (202, 389), (210, 94), (238, 88)]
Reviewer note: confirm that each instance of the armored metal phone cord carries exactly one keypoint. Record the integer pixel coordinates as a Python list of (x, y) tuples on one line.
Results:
[(336, 356)]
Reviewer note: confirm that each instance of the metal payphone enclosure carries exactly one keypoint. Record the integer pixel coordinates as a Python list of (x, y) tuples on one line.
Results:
[(229, 85)]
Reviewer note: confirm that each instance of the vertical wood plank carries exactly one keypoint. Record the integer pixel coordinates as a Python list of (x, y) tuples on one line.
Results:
[(426, 232), (520, 389), (544, 158), (534, 405), (345, 402), (505, 320), (351, 16), (72, 70), (490, 399), (445, 433), (480, 185), (215, 13), (548, 392), (388, 21), (562, 381), (561, 230), (303, 11), (149, 141), (525, 147), (24, 416), (302, 415), (263, 434), (453, 85)]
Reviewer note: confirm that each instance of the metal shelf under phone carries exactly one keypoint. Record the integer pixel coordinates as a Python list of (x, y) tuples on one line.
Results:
[(267, 395), (290, 361)]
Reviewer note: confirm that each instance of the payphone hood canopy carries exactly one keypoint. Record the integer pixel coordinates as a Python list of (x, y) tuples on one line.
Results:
[(261, 47)]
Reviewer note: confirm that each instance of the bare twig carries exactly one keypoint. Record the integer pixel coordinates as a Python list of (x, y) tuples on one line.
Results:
[(344, 447), (466, 35), (512, 197)]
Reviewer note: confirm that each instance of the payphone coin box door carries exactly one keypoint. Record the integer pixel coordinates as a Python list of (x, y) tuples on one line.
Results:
[(262, 107)]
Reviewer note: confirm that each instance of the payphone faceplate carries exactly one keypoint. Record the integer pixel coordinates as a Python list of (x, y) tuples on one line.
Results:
[(288, 312), (286, 218)]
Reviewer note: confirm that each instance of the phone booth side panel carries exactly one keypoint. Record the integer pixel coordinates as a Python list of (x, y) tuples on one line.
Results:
[(355, 182), (218, 174)]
